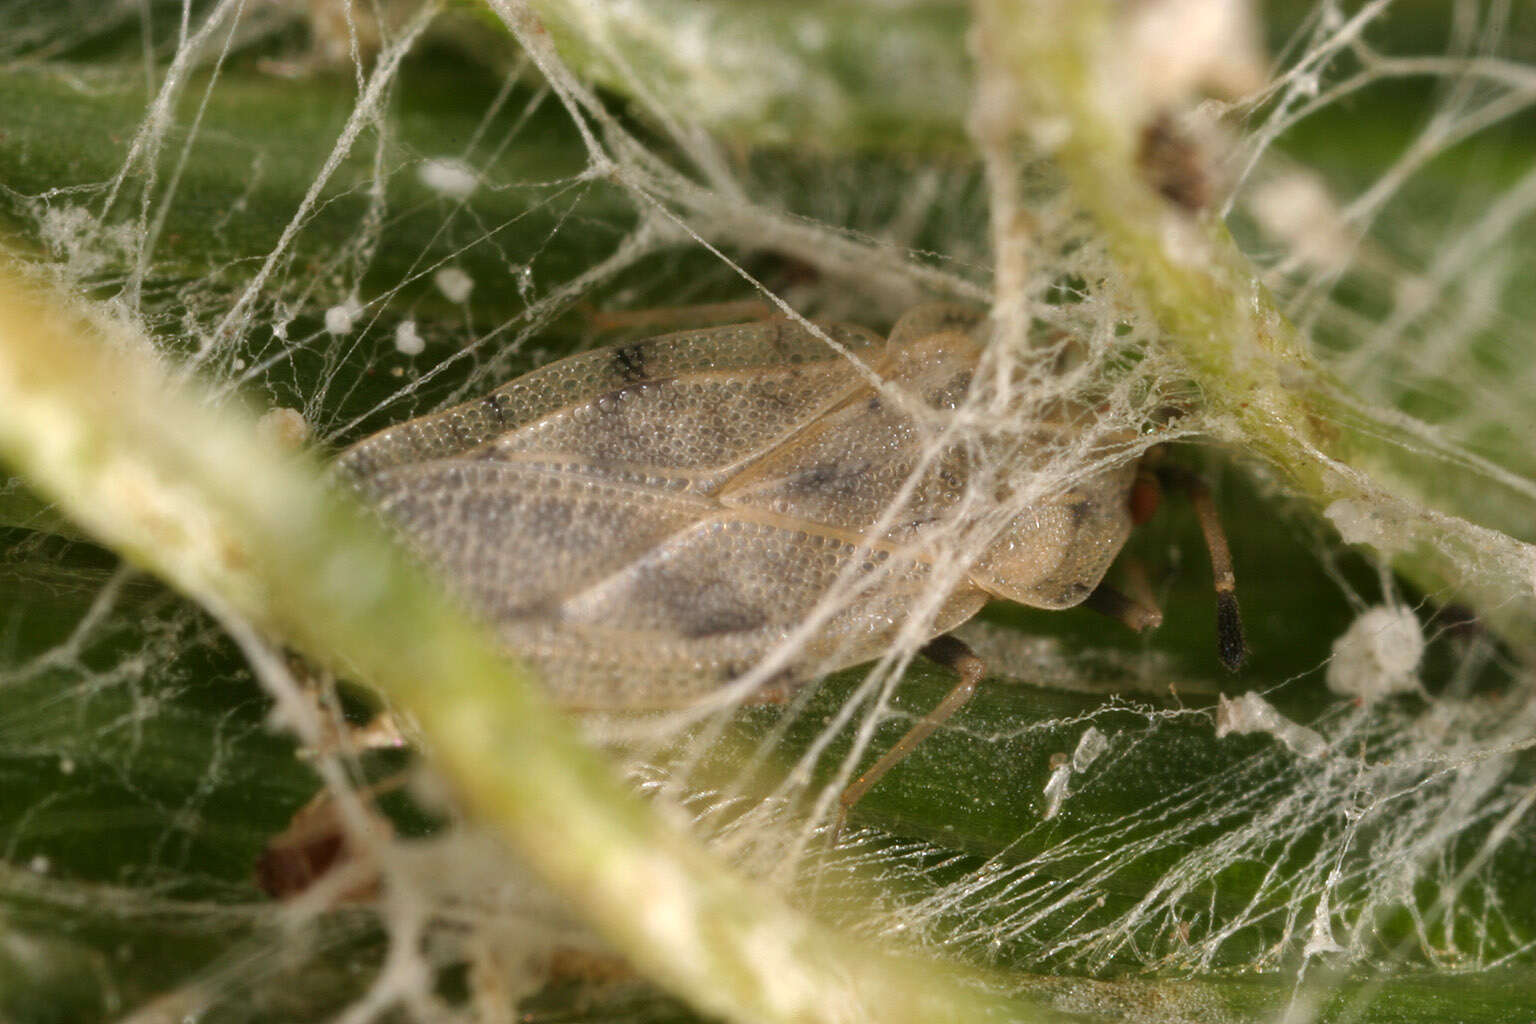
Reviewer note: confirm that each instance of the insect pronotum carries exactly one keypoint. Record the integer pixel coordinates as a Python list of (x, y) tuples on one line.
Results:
[(645, 523)]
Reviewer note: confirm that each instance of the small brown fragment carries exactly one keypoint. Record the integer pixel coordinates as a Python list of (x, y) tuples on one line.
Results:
[(314, 844), (1173, 164)]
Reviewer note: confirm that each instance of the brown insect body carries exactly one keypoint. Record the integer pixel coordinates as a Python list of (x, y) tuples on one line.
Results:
[(645, 522)]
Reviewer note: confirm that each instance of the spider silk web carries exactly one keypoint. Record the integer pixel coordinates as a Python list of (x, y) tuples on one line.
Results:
[(350, 215)]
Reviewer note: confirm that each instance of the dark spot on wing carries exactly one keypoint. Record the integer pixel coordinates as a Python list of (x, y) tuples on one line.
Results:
[(709, 622), (629, 362), (950, 393), (817, 477), (781, 331), (828, 478), (712, 608), (914, 524), (498, 402), (1079, 512), (541, 610)]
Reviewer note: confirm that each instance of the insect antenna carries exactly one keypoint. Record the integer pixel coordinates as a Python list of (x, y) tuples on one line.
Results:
[(1231, 646)]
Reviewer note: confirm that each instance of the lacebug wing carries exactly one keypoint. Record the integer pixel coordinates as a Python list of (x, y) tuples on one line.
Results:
[(644, 523)]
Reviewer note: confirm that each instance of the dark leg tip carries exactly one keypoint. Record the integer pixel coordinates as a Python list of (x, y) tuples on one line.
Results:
[(1108, 601), (1230, 644)]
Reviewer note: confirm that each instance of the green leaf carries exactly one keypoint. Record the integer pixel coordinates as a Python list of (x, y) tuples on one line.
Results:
[(141, 774)]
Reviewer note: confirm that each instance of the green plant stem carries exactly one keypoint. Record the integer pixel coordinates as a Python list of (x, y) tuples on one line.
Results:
[(1263, 391)]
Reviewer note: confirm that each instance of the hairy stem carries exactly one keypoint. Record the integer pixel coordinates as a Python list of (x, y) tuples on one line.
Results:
[(1263, 390)]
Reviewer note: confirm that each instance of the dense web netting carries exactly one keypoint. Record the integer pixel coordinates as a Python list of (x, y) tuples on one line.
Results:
[(354, 214)]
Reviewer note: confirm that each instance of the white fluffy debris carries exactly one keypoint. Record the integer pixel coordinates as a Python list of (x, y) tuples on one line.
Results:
[(1320, 941), (454, 283), (408, 340), (1296, 208), (1175, 48), (341, 319), (452, 178), (85, 244), (1378, 656), (1089, 746), (1252, 713), (283, 428), (1056, 786), (1359, 523)]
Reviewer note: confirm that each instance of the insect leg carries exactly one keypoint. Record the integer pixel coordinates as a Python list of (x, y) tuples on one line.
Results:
[(1138, 610), (1230, 645), (1138, 615), (946, 651)]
